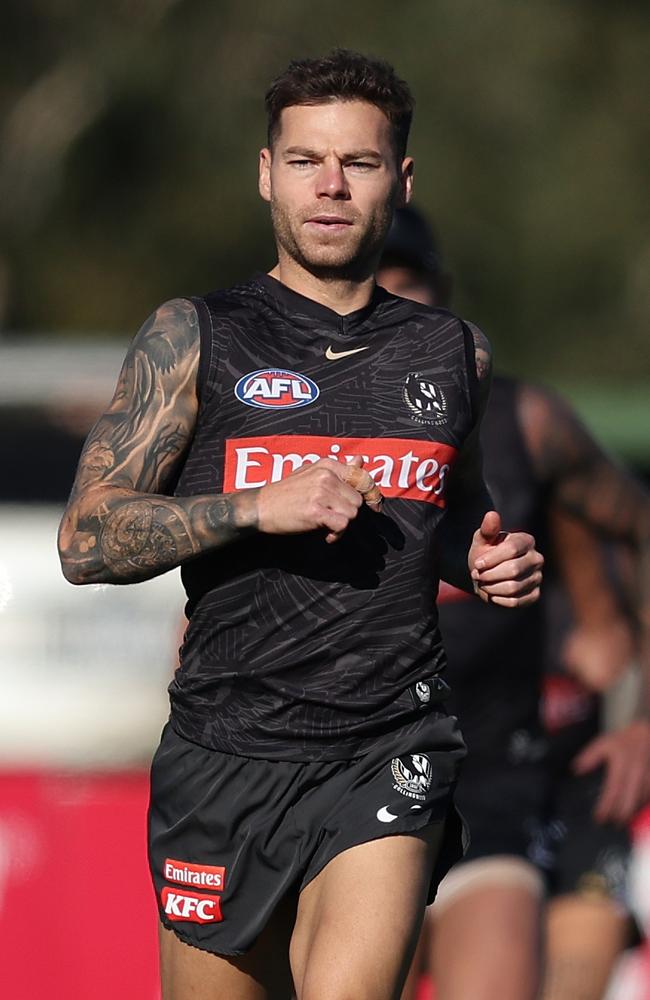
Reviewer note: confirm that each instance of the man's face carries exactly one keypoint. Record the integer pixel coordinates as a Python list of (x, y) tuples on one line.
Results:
[(333, 182)]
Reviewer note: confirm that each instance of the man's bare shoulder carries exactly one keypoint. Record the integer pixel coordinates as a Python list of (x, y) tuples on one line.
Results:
[(555, 435), (145, 429), (168, 334)]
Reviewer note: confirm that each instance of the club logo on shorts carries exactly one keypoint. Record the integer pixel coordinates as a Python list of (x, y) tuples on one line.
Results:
[(413, 775), (423, 691), (205, 876), (275, 388), (192, 907), (425, 400)]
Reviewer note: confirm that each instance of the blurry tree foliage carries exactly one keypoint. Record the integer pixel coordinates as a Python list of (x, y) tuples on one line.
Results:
[(130, 131)]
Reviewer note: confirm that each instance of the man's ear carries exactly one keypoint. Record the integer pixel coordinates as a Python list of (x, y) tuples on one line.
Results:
[(406, 182), (265, 174)]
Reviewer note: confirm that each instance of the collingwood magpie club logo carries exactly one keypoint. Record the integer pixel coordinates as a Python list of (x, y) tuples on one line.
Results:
[(423, 691), (413, 775), (425, 400)]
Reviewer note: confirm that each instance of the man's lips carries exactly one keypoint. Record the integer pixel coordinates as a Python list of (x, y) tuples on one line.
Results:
[(329, 221)]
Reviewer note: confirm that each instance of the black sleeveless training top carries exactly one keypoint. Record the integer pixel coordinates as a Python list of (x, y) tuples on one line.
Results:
[(297, 649)]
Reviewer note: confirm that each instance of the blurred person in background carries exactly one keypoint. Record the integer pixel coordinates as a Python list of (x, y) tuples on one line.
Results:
[(583, 845), (547, 809), (307, 771)]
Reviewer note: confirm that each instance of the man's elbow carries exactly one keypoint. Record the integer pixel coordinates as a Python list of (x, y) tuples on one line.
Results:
[(73, 571), (77, 565)]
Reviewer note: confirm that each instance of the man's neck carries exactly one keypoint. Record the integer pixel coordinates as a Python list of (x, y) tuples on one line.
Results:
[(342, 295)]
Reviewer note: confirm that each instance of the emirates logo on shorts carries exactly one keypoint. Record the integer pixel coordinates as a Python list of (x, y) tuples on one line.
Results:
[(426, 400), (204, 876), (413, 775)]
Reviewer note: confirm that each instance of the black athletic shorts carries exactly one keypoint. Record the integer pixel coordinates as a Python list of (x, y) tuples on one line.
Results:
[(501, 803), (230, 836), (547, 818), (576, 853)]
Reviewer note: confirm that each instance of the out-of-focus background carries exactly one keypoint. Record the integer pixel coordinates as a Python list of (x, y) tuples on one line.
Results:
[(128, 153)]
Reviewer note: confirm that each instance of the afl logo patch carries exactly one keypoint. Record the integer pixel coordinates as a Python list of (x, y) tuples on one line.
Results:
[(413, 775), (425, 400), (271, 388)]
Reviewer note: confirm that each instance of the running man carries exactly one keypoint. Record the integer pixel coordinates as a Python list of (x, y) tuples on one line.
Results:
[(531, 817), (292, 443)]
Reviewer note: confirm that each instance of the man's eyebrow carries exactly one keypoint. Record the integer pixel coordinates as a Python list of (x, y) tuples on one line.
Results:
[(312, 154), (363, 154)]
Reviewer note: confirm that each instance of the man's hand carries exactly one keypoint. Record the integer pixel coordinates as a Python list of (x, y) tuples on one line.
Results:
[(625, 755), (597, 655), (327, 494), (505, 567)]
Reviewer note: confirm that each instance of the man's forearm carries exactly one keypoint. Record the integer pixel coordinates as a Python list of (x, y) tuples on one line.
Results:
[(455, 539), (121, 536)]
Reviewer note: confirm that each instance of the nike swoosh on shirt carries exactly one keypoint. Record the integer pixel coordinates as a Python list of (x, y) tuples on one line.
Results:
[(334, 355)]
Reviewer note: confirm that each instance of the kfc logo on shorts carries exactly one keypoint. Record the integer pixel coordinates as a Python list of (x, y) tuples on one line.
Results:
[(191, 907), (275, 388), (206, 876), (413, 775), (401, 467)]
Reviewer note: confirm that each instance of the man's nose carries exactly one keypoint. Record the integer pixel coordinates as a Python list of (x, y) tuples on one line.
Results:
[(331, 181)]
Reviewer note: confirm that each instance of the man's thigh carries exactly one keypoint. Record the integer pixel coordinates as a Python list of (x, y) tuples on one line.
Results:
[(485, 931), (263, 973), (585, 936), (358, 920)]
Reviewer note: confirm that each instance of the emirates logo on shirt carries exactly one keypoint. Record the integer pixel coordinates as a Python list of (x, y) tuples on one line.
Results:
[(401, 467)]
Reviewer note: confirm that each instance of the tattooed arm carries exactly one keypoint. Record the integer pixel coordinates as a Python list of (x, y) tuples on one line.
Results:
[(600, 644), (121, 527), (587, 483), (118, 526), (584, 479)]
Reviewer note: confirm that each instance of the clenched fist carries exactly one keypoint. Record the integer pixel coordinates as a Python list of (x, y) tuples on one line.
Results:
[(505, 566), (326, 494)]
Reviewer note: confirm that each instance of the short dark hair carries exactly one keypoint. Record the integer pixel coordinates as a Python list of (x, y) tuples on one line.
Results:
[(345, 76)]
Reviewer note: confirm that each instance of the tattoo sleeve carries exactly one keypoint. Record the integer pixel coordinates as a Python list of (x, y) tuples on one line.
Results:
[(119, 526), (582, 478), (586, 482)]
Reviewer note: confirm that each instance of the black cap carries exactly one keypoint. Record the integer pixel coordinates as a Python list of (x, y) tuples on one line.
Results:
[(411, 241)]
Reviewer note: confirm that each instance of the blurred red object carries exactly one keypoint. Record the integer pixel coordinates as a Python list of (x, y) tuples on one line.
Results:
[(77, 910)]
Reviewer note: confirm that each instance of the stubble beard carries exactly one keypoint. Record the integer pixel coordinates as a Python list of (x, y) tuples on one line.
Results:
[(353, 259)]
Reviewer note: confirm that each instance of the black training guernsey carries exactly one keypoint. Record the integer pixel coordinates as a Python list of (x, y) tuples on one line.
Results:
[(297, 649)]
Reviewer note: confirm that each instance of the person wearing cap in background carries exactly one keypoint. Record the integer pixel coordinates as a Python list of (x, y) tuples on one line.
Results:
[(547, 806)]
